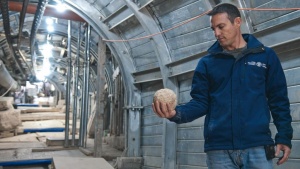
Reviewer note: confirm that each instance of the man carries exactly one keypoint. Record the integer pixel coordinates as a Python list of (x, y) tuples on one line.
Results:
[(236, 86)]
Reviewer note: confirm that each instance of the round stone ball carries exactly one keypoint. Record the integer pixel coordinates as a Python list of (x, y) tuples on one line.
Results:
[(166, 96)]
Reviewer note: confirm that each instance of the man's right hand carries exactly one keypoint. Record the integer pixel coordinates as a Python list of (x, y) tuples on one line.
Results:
[(163, 110)]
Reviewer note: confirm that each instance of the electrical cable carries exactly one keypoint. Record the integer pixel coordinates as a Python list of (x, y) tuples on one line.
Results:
[(198, 16)]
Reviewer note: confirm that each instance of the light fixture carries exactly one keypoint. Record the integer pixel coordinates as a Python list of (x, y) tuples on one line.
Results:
[(61, 7), (50, 28), (49, 21)]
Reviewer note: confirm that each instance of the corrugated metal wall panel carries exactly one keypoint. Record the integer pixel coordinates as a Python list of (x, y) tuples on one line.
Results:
[(142, 51), (191, 38), (152, 130), (289, 55), (256, 16)]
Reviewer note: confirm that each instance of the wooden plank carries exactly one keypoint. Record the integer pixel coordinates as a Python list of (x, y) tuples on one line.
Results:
[(192, 133), (170, 6), (185, 77), (146, 59), (100, 4), (191, 167), (151, 87), (39, 110), (288, 52), (142, 50), (195, 25), (193, 38), (263, 16), (147, 101), (152, 130), (152, 161), (190, 146), (294, 94), (137, 43), (290, 164), (295, 154), (151, 120), (147, 111), (184, 97), (151, 151), (118, 17), (196, 123), (86, 151), (131, 28), (295, 111), (185, 85), (278, 34), (151, 140), (147, 76), (292, 61), (79, 163), (295, 126), (16, 145), (41, 116), (293, 76), (55, 148), (191, 50), (254, 4), (185, 68), (111, 7), (100, 98), (193, 159), (58, 141), (8, 133), (148, 167)]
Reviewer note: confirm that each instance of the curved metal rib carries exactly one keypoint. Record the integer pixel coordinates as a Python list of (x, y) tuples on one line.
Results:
[(21, 24), (22, 18), (35, 25), (6, 25)]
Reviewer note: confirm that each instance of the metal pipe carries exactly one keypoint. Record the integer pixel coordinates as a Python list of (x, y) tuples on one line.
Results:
[(68, 86), (87, 73), (76, 85), (83, 98), (81, 136), (26, 162), (32, 130), (6, 80)]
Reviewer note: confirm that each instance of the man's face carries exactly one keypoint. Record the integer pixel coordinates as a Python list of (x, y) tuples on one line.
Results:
[(227, 33)]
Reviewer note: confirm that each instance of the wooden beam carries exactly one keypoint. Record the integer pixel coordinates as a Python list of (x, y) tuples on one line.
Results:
[(100, 98)]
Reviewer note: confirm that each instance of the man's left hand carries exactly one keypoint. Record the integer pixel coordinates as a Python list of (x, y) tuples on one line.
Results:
[(286, 153)]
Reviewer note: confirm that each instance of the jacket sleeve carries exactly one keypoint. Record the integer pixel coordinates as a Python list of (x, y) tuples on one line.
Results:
[(198, 105), (278, 101)]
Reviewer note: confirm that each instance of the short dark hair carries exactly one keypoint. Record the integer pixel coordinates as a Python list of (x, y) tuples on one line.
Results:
[(231, 10)]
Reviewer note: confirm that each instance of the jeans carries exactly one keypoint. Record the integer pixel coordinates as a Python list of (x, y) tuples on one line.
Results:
[(252, 158)]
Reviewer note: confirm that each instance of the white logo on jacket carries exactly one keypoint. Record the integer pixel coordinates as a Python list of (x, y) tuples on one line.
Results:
[(258, 64)]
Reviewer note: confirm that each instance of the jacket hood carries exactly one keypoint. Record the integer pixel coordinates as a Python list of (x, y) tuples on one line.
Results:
[(252, 42)]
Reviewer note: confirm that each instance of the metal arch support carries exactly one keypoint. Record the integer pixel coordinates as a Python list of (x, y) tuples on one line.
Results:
[(163, 56), (119, 50), (75, 85), (35, 25), (55, 83), (6, 25), (68, 98)]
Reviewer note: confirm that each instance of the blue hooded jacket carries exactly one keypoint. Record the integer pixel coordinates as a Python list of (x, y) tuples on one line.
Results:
[(237, 97)]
